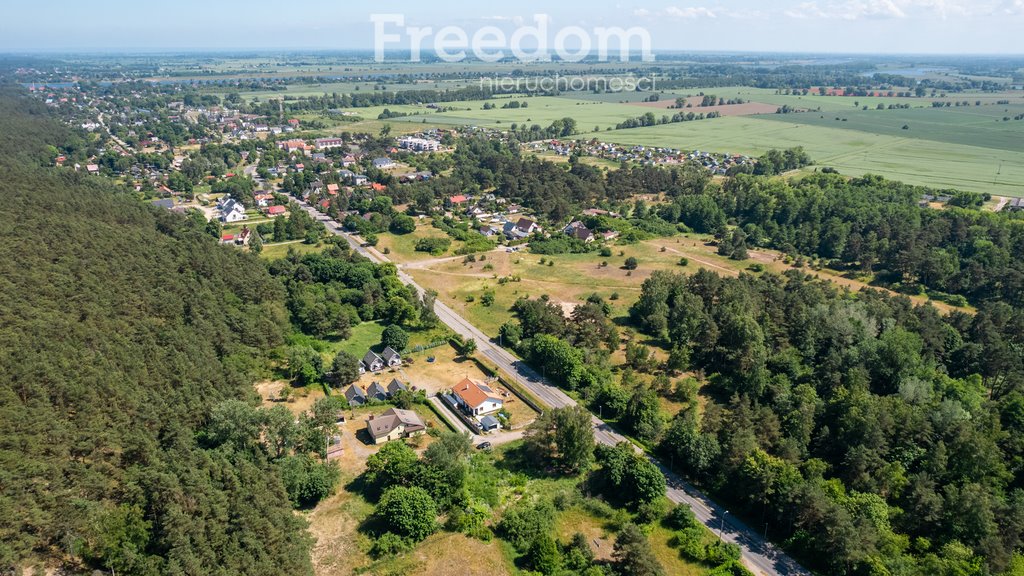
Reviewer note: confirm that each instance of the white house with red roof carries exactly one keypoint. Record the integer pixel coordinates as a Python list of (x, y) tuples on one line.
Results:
[(477, 398)]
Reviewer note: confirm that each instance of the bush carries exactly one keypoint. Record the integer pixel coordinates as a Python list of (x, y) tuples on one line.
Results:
[(524, 522), (434, 246), (680, 517), (722, 552), (631, 263), (389, 544), (408, 512), (684, 261), (690, 542)]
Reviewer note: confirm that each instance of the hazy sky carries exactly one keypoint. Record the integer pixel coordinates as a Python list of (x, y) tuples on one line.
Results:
[(862, 26)]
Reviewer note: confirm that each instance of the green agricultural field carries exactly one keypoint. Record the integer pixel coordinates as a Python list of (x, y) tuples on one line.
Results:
[(982, 126), (852, 152), (542, 110)]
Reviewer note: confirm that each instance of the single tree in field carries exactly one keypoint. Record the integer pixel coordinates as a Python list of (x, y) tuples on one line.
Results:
[(395, 337), (408, 511), (563, 438), (633, 555), (344, 369)]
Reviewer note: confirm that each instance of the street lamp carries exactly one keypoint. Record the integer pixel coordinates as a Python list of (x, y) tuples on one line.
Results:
[(721, 524)]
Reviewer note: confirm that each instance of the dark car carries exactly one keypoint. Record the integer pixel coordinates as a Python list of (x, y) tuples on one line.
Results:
[(483, 446)]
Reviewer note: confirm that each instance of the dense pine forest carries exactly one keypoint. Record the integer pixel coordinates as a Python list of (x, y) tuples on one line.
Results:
[(121, 326), (869, 435)]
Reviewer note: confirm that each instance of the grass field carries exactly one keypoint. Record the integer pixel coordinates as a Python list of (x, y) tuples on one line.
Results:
[(403, 247), (280, 250)]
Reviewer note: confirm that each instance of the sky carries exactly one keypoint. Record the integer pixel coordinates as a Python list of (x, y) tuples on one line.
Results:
[(836, 26)]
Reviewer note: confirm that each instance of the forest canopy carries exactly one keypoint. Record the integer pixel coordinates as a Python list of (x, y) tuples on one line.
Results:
[(123, 326)]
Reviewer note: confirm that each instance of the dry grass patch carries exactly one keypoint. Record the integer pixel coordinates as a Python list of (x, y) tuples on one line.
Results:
[(448, 554)]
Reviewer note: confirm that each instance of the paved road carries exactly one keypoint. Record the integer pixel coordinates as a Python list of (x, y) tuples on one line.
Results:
[(760, 556)]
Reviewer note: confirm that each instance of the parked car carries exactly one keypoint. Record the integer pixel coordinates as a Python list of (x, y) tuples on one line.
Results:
[(483, 446)]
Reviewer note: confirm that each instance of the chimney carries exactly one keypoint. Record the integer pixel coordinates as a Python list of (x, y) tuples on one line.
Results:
[(370, 418)]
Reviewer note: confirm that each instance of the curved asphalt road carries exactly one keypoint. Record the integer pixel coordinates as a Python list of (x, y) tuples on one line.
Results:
[(759, 555)]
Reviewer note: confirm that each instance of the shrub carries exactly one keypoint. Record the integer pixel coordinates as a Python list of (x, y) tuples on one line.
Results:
[(408, 511), (434, 246), (389, 544)]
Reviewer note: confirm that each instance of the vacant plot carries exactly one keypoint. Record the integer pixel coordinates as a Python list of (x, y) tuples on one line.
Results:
[(448, 554), (402, 248), (281, 249), (574, 277)]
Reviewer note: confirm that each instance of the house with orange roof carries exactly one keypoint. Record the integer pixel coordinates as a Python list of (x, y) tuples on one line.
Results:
[(476, 398)]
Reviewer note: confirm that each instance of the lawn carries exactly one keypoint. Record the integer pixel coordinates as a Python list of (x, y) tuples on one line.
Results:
[(403, 247), (364, 336), (280, 250)]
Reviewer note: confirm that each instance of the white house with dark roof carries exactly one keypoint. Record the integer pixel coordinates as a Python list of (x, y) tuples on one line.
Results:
[(371, 362), (391, 357)]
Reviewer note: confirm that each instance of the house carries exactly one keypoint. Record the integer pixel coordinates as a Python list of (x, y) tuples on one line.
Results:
[(378, 187), (476, 398), (459, 199), (332, 189), (328, 143), (359, 180), (92, 169), (372, 362), (394, 424), (490, 231), (579, 231), (276, 210), (419, 144), (1015, 205), (227, 239), (391, 357), (527, 226), (167, 203), (232, 211), (377, 392), (346, 175), (263, 200), (520, 229), (290, 146), (355, 395), (394, 387), (383, 163)]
